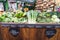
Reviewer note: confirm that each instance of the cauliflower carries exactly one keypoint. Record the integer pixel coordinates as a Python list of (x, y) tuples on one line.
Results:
[(55, 20), (54, 16)]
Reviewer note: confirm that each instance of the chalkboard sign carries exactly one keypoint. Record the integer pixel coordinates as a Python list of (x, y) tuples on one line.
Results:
[(50, 32), (14, 31)]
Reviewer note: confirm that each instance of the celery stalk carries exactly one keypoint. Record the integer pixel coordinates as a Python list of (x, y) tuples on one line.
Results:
[(32, 16)]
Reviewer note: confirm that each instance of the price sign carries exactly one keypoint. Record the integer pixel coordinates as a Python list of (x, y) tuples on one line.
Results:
[(50, 32), (13, 25), (21, 25), (30, 25), (49, 26), (14, 31), (38, 26), (5, 25), (57, 26)]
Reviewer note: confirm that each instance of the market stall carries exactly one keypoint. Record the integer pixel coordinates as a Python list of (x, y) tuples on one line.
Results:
[(30, 25), (31, 21)]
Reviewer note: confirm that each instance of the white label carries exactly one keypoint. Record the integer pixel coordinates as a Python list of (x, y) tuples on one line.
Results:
[(1, 7)]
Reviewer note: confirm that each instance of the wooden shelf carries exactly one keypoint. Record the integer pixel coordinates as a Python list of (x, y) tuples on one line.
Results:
[(38, 25)]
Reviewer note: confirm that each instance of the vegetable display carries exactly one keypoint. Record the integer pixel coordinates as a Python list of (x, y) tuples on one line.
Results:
[(13, 17), (30, 17), (48, 17)]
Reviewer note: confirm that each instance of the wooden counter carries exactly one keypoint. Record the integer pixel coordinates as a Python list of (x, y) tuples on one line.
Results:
[(28, 33)]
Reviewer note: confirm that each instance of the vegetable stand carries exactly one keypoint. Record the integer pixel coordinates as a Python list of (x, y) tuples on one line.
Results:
[(29, 25), (18, 31)]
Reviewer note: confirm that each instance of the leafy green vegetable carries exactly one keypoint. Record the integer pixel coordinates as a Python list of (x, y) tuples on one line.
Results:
[(32, 16), (22, 20), (44, 17), (19, 14)]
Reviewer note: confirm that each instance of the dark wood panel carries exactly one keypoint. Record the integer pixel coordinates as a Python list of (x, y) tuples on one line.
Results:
[(4, 33), (7, 36), (0, 34), (55, 37), (58, 34), (28, 34), (25, 33)]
